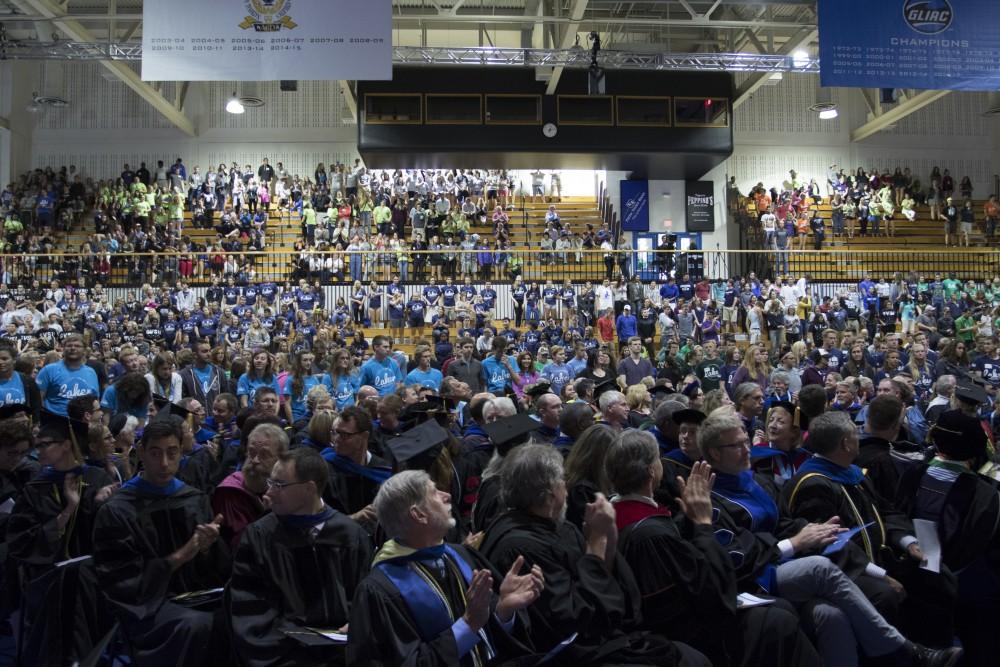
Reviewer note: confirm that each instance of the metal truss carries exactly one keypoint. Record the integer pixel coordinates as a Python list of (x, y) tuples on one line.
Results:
[(479, 56)]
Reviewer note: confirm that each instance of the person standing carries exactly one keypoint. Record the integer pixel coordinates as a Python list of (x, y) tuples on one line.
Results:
[(64, 380)]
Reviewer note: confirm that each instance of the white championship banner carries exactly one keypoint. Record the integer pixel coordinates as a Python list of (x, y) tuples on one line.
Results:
[(266, 40)]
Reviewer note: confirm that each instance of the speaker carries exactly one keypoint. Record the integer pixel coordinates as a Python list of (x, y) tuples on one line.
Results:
[(887, 95), (289, 86)]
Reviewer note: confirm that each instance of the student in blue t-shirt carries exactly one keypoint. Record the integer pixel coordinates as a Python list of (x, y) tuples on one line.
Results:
[(423, 375), (380, 371), (259, 375), (17, 388), (498, 368), (64, 380), (557, 372), (300, 381), (343, 378)]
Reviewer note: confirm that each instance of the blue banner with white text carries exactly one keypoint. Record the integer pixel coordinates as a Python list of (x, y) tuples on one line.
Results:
[(635, 206), (926, 44)]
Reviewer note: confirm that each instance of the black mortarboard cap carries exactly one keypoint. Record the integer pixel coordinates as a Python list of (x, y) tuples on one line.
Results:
[(117, 423), (418, 447), (792, 409), (160, 401), (688, 416), (662, 386), (537, 389), (58, 427), (959, 436), (508, 432), (12, 410), (606, 385), (970, 392)]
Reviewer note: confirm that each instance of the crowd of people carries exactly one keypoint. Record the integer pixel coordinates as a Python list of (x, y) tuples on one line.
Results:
[(866, 204), (245, 477)]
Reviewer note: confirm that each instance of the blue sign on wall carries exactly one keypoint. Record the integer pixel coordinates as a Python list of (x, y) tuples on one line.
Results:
[(929, 44), (635, 206)]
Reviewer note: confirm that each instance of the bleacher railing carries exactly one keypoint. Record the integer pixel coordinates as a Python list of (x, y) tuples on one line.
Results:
[(578, 265)]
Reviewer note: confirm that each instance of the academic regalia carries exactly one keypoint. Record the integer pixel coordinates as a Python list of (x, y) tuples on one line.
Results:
[(581, 596), (12, 483), (675, 464), (287, 577), (777, 465), (63, 608), (489, 504), (135, 531), (578, 496), (823, 489), (197, 468), (238, 506), (689, 592), (882, 465), (401, 615), (353, 487), (477, 450)]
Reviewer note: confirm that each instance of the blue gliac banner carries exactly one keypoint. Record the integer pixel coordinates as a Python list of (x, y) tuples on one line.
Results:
[(928, 44), (635, 205)]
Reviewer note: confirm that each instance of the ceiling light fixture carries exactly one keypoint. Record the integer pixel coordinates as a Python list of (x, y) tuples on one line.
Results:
[(234, 105)]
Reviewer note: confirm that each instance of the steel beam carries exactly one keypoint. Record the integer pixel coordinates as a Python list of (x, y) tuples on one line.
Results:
[(800, 40), (350, 99), (568, 39), (897, 113), (77, 32)]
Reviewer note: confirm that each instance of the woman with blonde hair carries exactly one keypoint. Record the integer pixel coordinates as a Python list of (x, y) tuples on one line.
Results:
[(640, 404), (756, 368), (319, 430)]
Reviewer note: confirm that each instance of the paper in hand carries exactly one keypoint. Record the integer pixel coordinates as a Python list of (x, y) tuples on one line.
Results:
[(927, 536)]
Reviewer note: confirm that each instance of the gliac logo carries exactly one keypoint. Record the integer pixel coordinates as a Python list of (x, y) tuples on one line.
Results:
[(928, 17), (268, 15)]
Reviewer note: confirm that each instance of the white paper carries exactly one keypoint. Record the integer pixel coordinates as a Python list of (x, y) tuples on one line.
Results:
[(746, 601), (332, 635), (198, 594), (64, 563), (7, 507), (927, 535)]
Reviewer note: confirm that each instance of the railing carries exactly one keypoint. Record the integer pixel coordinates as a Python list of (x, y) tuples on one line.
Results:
[(414, 267)]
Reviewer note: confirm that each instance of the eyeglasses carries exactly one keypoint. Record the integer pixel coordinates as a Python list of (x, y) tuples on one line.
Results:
[(279, 485)]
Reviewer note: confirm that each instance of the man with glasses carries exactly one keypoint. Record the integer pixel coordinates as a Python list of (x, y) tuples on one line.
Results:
[(239, 498), (295, 569), (781, 556), (154, 540), (355, 473)]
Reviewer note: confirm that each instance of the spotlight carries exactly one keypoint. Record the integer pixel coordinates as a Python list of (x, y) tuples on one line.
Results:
[(234, 105)]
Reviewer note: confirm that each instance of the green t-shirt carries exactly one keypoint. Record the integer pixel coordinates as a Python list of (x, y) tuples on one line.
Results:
[(951, 286), (965, 322)]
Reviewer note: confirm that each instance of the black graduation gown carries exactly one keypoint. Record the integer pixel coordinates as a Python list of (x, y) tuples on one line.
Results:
[(12, 482), (581, 595), (926, 614), (489, 504), (674, 466), (883, 465), (285, 580), (689, 593), (384, 633), (64, 612), (198, 469), (578, 497), (134, 533), (350, 493)]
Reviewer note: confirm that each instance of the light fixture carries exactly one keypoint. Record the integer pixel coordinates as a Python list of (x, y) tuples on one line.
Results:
[(828, 114), (800, 58), (234, 105), (825, 106), (33, 105)]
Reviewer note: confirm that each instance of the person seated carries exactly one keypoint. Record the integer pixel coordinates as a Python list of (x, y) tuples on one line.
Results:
[(156, 539), (239, 498), (877, 454), (52, 521), (965, 509), (677, 463), (747, 524), (428, 602), (779, 457), (591, 597), (830, 485), (355, 473), (685, 575), (295, 569)]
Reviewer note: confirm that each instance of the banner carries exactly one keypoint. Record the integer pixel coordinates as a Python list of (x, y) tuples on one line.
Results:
[(635, 205), (266, 40), (928, 44), (699, 202)]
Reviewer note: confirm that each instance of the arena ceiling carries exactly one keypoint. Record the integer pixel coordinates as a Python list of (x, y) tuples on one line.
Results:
[(659, 34)]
